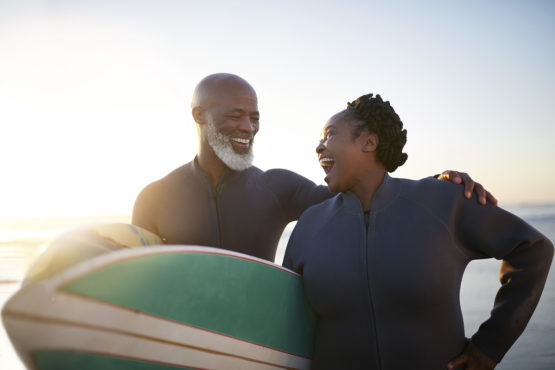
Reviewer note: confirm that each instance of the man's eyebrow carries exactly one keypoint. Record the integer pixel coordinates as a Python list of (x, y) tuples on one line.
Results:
[(242, 111)]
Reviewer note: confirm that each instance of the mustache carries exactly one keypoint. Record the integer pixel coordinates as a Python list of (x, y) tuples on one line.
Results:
[(241, 136)]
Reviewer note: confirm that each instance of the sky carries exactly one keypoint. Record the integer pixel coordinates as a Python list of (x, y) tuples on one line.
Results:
[(94, 95)]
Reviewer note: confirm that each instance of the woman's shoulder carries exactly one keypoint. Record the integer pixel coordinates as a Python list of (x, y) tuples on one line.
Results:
[(429, 187), (429, 196)]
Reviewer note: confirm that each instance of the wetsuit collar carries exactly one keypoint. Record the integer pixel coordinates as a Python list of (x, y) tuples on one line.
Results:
[(227, 175), (386, 193)]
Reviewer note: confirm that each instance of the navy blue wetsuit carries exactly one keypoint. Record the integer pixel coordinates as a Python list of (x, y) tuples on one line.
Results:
[(387, 294), (246, 212)]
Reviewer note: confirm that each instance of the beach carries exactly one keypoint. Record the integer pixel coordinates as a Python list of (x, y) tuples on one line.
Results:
[(22, 240)]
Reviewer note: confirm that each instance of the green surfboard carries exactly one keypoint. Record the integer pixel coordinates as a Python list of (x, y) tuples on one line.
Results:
[(161, 307)]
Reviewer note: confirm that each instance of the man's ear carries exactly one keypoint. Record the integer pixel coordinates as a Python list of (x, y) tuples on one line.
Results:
[(370, 142), (198, 115)]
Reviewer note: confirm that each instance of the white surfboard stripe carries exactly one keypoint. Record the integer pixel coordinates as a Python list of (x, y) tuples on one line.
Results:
[(73, 338), (64, 309)]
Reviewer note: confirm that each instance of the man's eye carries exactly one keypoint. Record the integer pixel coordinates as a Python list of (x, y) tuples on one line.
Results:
[(235, 118)]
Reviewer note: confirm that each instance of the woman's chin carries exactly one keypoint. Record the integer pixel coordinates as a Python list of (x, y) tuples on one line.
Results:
[(332, 186)]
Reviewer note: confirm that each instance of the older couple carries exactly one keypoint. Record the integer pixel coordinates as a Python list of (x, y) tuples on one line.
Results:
[(382, 258)]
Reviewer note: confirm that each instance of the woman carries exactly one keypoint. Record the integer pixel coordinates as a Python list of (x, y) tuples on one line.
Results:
[(383, 260)]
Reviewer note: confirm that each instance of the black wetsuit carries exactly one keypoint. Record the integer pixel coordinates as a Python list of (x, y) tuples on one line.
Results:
[(387, 295), (246, 212)]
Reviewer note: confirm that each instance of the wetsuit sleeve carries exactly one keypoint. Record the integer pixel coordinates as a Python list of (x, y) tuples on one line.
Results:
[(295, 192), (293, 249), (493, 232), (303, 237), (143, 210), (288, 258)]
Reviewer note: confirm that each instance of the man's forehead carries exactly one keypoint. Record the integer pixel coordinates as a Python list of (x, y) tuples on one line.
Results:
[(249, 109), (233, 101), (231, 95)]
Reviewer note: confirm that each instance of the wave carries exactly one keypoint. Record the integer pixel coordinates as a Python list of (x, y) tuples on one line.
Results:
[(533, 211)]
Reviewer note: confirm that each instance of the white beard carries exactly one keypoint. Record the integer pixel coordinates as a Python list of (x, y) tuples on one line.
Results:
[(221, 145)]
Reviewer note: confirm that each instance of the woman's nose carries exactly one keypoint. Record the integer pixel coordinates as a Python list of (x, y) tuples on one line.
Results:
[(320, 147)]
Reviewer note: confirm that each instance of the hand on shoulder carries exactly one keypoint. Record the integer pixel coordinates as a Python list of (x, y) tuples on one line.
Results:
[(470, 186)]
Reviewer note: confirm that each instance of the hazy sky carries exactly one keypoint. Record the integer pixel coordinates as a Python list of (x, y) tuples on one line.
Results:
[(94, 95)]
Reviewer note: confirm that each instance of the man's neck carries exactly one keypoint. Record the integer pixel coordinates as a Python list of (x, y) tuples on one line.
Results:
[(212, 165)]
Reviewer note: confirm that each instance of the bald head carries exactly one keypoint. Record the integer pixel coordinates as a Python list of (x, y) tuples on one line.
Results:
[(216, 89)]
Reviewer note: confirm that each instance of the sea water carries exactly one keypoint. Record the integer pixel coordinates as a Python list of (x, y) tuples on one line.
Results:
[(22, 240)]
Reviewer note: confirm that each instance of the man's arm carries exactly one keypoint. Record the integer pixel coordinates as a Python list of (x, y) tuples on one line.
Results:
[(295, 192), (143, 211)]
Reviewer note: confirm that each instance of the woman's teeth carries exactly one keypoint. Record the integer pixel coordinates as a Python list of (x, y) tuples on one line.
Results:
[(327, 163)]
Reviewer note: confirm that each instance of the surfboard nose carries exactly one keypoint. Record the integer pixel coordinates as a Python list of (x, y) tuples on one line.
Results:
[(84, 243)]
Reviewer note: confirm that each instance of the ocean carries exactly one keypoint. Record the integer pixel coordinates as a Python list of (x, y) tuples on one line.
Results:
[(21, 241)]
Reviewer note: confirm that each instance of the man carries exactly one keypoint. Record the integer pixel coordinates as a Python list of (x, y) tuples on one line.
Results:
[(219, 199)]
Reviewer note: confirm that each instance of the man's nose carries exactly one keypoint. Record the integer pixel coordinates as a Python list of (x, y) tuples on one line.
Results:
[(248, 125)]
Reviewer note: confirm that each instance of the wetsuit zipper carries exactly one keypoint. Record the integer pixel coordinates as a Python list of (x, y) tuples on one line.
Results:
[(367, 222), (216, 193)]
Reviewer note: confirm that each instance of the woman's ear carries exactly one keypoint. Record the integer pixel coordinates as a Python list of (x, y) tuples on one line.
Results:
[(370, 142)]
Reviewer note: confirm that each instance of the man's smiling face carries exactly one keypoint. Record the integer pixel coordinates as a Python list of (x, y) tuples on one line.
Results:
[(232, 121)]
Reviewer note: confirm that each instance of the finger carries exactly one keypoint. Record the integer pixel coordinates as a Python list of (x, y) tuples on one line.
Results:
[(468, 185), (481, 193), (458, 361), (491, 198), (452, 176)]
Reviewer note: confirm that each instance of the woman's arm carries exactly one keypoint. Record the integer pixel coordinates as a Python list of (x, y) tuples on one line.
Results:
[(526, 257)]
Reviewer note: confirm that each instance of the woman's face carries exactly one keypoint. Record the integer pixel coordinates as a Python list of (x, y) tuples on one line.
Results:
[(340, 156)]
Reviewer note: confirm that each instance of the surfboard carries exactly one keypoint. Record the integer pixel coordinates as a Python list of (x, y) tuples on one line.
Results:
[(85, 242), (159, 307)]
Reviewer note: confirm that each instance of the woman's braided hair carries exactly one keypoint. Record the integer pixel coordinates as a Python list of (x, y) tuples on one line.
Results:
[(378, 117)]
